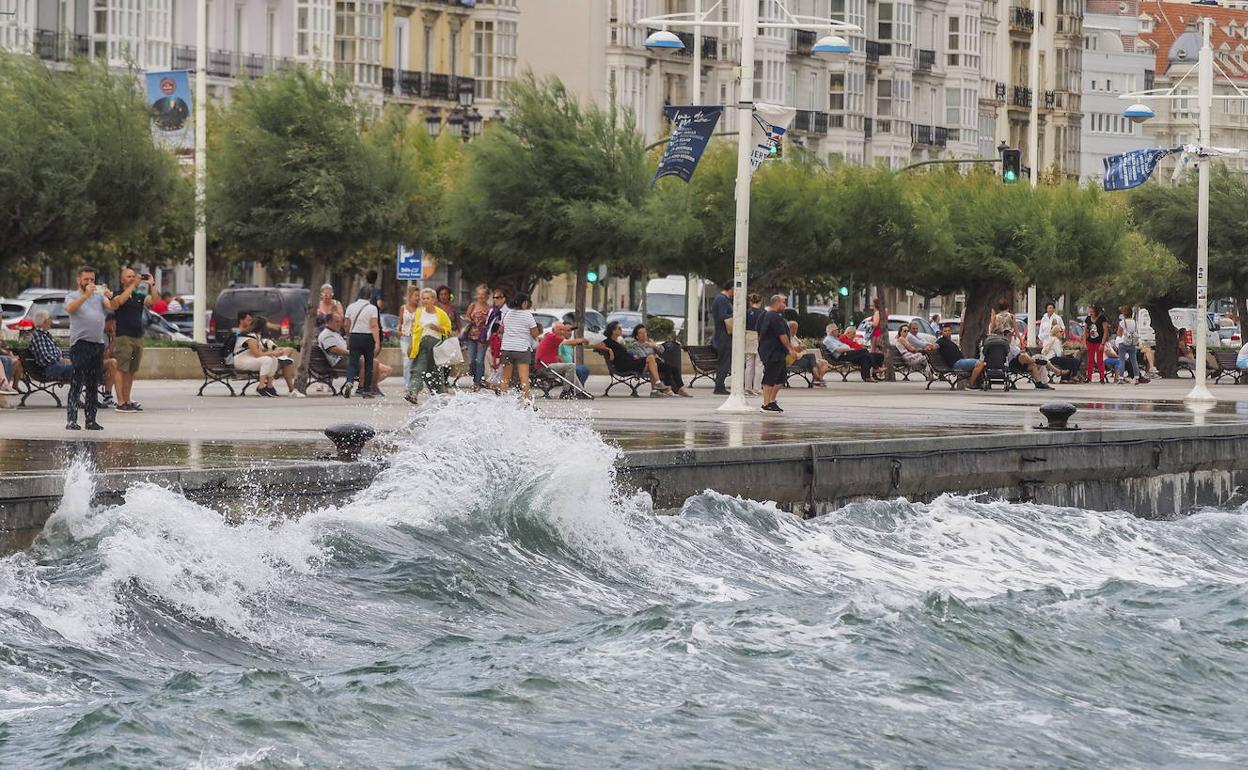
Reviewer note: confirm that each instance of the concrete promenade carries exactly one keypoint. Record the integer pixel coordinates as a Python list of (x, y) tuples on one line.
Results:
[(850, 411)]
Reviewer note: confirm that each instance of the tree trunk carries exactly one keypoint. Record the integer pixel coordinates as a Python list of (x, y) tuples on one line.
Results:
[(980, 298), (317, 276), (1241, 312), (582, 265), (1166, 350)]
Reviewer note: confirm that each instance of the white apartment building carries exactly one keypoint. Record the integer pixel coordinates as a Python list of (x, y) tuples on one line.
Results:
[(1115, 62)]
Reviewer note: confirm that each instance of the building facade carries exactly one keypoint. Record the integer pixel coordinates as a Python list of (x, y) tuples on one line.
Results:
[(1115, 62), (1171, 33)]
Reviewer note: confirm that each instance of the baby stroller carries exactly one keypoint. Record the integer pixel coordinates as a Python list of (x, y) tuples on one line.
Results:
[(996, 362)]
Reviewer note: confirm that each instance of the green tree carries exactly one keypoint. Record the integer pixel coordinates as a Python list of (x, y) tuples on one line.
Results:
[(554, 189), (77, 161), (300, 175)]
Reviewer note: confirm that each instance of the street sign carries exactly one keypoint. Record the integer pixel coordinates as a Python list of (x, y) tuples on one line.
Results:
[(409, 263)]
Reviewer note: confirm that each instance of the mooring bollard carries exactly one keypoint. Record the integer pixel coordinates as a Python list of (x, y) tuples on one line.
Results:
[(1058, 414), (349, 438)]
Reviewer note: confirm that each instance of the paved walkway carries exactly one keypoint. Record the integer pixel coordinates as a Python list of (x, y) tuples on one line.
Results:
[(841, 411)]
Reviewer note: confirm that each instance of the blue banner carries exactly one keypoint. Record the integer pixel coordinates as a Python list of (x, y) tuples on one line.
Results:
[(410, 264), (691, 130), (1132, 169), (169, 97)]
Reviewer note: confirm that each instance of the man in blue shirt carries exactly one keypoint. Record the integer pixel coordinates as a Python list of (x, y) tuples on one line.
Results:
[(721, 340), (774, 345)]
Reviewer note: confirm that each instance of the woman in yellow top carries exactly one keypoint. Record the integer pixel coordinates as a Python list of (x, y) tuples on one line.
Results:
[(432, 325)]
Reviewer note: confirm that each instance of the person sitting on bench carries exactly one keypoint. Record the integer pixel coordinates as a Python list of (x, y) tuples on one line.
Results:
[(547, 356), (806, 362), (1021, 360), (951, 354), (52, 361), (848, 351), (666, 354), (334, 346), (626, 363)]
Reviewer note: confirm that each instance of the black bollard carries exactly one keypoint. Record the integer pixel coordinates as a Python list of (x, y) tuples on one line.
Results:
[(349, 438), (1058, 414)]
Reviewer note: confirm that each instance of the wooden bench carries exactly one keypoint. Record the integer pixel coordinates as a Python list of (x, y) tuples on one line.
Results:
[(1225, 360), (630, 380), (797, 369), (843, 368), (35, 380), (216, 370), (943, 372), (705, 362), (321, 371), (893, 362)]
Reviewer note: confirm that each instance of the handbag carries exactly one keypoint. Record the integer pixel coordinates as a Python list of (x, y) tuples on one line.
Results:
[(448, 352)]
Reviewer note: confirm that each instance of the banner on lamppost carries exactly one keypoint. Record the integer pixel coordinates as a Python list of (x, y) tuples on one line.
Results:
[(169, 99), (1132, 169), (771, 122), (692, 127), (410, 264)]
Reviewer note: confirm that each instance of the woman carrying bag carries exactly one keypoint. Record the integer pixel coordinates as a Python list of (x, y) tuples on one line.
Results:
[(431, 327)]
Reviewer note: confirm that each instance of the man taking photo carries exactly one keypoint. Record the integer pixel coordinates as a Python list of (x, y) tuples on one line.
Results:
[(87, 308), (128, 345)]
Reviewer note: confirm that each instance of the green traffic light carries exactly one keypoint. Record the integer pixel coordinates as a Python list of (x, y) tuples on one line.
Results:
[(592, 276), (772, 150), (844, 291), (1010, 176)]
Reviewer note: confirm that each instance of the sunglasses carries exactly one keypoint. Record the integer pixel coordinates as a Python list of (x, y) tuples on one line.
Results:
[(499, 296)]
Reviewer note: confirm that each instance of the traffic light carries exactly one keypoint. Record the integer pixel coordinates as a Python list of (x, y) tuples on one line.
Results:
[(591, 276), (775, 145), (843, 291), (1011, 165)]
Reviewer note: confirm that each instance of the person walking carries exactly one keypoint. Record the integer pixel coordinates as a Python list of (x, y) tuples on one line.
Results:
[(774, 346), (475, 323), (87, 308), (128, 306), (721, 340), (1129, 348), (408, 313), (432, 325), (1051, 332), (519, 330), (364, 341), (1096, 331), (446, 301)]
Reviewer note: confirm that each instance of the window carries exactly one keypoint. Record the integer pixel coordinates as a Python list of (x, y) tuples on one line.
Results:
[(953, 41), (836, 92), (885, 16), (884, 98)]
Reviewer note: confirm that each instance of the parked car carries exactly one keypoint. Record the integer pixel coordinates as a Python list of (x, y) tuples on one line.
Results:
[(389, 326), (36, 293), (628, 319), (19, 314), (595, 322), (284, 306)]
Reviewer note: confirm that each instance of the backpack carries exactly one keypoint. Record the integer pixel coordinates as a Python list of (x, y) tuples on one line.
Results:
[(227, 346), (1130, 333)]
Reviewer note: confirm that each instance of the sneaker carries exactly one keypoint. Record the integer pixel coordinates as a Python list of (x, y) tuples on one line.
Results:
[(656, 393), (7, 390), (684, 393), (298, 394), (346, 391), (411, 399), (138, 407), (125, 409), (108, 402), (1043, 386), (93, 425), (721, 392), (72, 425), (1143, 381), (772, 407), (367, 394)]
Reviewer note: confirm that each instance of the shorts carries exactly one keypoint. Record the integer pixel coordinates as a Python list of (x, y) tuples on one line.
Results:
[(774, 371), (128, 353), (522, 357), (6, 363), (966, 364)]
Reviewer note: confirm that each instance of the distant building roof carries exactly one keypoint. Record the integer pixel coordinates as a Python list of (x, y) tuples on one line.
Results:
[(1171, 30)]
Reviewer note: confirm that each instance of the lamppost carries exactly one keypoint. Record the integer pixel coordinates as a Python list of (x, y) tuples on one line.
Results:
[(747, 26), (199, 314), (463, 119), (1140, 112)]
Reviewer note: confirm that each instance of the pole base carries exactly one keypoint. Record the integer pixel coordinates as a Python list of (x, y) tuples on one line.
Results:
[(1200, 395), (735, 404)]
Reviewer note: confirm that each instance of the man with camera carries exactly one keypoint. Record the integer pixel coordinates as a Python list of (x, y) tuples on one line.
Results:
[(136, 294), (87, 308)]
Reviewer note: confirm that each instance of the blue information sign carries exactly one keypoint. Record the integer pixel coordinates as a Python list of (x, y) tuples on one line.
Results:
[(410, 264)]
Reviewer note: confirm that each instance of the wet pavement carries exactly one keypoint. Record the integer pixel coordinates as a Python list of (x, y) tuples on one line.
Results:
[(179, 430)]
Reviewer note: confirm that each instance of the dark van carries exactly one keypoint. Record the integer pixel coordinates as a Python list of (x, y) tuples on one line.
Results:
[(284, 306)]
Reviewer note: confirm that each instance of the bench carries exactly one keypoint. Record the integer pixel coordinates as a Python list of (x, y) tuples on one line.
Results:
[(630, 380), (35, 380), (841, 367), (893, 362), (705, 362), (1225, 360), (216, 370), (799, 369), (943, 372), (321, 371)]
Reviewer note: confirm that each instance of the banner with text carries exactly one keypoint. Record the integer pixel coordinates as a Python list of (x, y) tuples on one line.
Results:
[(1132, 169), (169, 97), (771, 121), (692, 127)]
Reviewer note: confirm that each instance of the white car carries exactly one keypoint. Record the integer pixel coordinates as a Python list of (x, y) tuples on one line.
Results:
[(895, 322), (595, 324)]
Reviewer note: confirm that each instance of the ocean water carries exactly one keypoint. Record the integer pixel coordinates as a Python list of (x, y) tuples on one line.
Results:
[(494, 600)]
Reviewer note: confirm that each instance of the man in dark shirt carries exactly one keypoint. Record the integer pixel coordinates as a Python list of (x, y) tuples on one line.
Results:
[(721, 340), (136, 293), (774, 345), (952, 355)]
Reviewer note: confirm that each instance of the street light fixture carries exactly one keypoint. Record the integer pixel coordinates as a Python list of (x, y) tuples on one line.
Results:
[(433, 124), (1138, 113), (747, 25), (831, 45)]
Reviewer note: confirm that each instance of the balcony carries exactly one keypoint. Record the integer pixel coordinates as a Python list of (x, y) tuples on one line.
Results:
[(453, 5), (57, 46), (424, 85), (1050, 99), (1000, 92), (1022, 19), (876, 49), (229, 64), (1021, 97), (801, 41), (1066, 101), (930, 136), (1070, 24), (811, 122), (925, 61)]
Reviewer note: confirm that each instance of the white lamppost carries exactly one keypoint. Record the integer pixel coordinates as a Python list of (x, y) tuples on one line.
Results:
[(747, 25), (1140, 112), (199, 313)]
